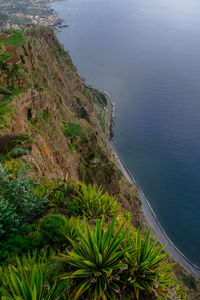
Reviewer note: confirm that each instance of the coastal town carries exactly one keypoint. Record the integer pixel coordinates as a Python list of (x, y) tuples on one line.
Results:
[(15, 14)]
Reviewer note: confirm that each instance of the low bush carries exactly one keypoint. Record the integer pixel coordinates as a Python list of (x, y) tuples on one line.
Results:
[(20, 192), (5, 55), (10, 222), (73, 129), (17, 152), (17, 245), (19, 199), (52, 229)]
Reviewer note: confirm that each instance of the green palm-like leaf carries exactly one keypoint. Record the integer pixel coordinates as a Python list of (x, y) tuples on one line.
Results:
[(28, 280), (147, 269), (95, 202), (96, 261)]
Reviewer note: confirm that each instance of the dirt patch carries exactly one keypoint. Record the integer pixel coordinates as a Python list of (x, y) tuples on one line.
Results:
[(3, 36), (14, 58)]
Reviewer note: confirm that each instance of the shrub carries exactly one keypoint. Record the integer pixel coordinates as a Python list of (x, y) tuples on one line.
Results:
[(5, 55), (95, 261), (52, 229), (20, 192), (73, 129), (28, 279), (9, 220), (13, 166), (94, 202), (17, 152), (19, 203), (148, 272), (17, 245)]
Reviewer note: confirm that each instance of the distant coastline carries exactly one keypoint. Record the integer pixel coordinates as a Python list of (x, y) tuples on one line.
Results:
[(41, 13)]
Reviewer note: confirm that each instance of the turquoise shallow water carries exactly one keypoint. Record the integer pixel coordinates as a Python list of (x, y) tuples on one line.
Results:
[(146, 54)]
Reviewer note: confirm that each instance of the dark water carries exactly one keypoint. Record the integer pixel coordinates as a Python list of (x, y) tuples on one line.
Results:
[(146, 54)]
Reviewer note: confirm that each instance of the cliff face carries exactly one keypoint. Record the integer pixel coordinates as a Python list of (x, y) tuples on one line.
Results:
[(56, 121)]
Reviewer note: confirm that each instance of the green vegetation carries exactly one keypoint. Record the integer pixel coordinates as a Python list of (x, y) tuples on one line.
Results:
[(14, 147), (96, 262), (52, 229), (94, 202), (98, 97), (106, 258), (15, 38), (146, 270), (74, 207), (59, 193), (6, 111), (28, 280), (59, 238), (18, 244), (104, 263), (119, 174), (5, 55), (41, 119), (19, 204), (17, 152), (71, 149), (22, 59), (9, 220), (73, 129), (5, 92)]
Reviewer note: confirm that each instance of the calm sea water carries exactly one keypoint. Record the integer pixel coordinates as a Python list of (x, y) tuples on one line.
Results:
[(146, 54)]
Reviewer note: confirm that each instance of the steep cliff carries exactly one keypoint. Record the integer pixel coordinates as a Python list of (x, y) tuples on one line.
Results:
[(48, 115)]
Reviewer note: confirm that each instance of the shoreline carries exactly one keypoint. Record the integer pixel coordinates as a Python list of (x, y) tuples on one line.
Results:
[(153, 222), (147, 210)]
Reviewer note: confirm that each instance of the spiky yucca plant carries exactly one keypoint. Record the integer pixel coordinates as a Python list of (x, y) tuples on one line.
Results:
[(95, 202), (96, 261), (148, 272), (28, 280)]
